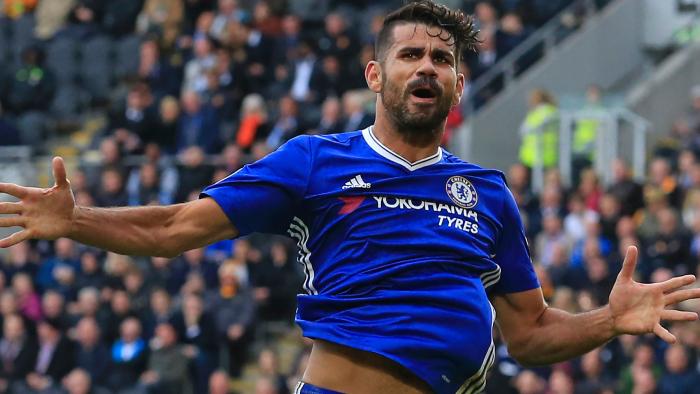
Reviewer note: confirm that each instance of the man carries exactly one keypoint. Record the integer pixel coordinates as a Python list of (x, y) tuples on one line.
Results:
[(408, 250)]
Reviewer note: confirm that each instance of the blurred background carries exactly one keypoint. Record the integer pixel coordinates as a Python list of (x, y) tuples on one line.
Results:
[(591, 108)]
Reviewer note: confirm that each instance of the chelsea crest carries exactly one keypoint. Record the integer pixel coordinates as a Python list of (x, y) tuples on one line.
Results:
[(461, 192)]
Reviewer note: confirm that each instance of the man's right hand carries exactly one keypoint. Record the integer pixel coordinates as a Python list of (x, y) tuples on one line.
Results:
[(42, 213)]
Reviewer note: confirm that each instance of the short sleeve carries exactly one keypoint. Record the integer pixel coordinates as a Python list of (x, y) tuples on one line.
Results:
[(513, 253), (264, 196)]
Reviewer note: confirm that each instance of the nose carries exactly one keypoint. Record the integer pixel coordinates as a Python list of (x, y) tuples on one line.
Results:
[(427, 68)]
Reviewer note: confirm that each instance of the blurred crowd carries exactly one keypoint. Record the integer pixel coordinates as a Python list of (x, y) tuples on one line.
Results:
[(190, 91), (208, 73), (578, 238)]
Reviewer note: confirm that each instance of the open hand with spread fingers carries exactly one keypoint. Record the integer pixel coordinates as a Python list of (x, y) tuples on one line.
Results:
[(639, 308), (42, 213)]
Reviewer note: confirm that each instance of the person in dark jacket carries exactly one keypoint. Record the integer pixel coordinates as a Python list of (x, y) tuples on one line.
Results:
[(18, 351)]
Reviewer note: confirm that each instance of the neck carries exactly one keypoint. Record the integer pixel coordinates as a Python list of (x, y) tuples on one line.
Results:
[(412, 145)]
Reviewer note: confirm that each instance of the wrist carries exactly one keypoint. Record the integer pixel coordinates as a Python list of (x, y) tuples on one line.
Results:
[(609, 322), (73, 222)]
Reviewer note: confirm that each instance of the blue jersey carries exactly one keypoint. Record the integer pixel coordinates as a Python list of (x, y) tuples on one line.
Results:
[(399, 257)]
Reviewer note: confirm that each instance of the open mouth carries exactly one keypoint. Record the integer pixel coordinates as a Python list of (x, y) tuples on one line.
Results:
[(424, 93)]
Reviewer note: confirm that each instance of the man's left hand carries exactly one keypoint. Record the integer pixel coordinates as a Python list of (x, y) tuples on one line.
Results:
[(639, 308)]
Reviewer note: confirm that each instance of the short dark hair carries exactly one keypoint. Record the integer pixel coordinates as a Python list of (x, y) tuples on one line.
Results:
[(456, 28)]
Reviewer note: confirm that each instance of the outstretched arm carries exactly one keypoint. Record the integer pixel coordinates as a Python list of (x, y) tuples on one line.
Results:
[(537, 335), (154, 230)]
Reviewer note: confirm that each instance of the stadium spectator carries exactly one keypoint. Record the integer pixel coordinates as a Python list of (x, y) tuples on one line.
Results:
[(257, 65), (527, 382), (539, 131), (111, 192), (51, 17), (159, 311), (26, 93), (193, 173), (227, 13), (131, 126), (28, 299), (625, 189), (510, 33), (21, 258), (337, 39), (18, 352), (119, 312), (678, 377), (53, 308), (155, 69), (595, 379), (147, 190), (661, 177), (331, 117), (56, 268), (78, 381), (275, 281), (302, 75), (219, 383), (560, 382), (91, 355), (254, 124), (167, 364), (231, 158), (163, 18), (87, 305), (642, 360), (119, 17), (269, 369), (265, 21), (356, 116), (129, 356), (203, 60), (669, 247), (287, 43), (197, 331), (16, 8), (55, 358), (265, 385), (84, 20), (287, 125), (199, 124), (235, 314), (90, 273)]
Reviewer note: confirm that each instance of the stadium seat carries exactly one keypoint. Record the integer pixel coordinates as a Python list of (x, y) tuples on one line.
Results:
[(68, 101), (127, 56), (5, 41), (22, 34), (61, 59), (96, 67)]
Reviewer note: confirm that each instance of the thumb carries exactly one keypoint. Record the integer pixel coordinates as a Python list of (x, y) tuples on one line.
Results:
[(59, 172), (629, 264)]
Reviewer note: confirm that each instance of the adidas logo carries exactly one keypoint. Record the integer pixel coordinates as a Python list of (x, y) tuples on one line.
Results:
[(356, 182)]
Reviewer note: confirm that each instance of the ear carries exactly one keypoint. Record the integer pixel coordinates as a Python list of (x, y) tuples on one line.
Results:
[(373, 76), (459, 90)]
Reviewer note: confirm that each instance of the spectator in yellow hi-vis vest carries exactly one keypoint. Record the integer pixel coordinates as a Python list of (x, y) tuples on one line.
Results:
[(541, 122), (587, 127)]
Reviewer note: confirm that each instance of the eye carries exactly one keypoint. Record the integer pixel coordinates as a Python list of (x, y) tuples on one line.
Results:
[(442, 59)]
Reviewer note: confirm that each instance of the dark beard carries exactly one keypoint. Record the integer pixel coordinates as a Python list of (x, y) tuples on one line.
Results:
[(420, 126)]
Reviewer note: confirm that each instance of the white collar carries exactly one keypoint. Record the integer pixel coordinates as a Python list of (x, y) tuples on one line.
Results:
[(388, 154)]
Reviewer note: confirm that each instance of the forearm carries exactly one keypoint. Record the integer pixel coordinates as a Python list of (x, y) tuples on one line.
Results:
[(558, 335), (140, 231)]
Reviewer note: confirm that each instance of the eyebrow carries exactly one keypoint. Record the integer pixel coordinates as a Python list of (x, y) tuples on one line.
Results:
[(436, 51)]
